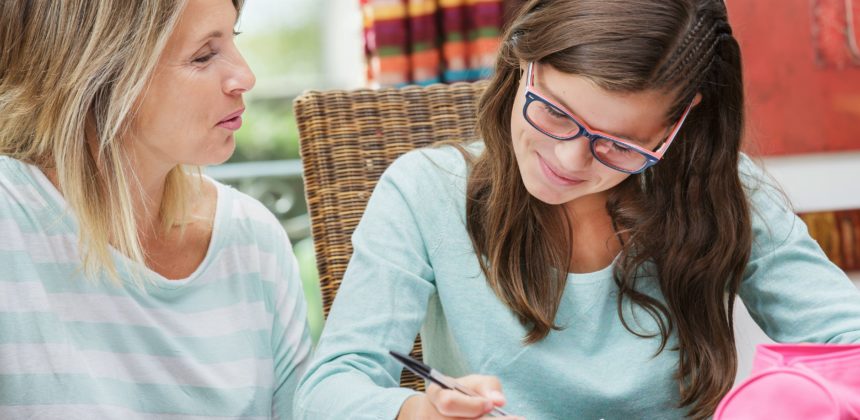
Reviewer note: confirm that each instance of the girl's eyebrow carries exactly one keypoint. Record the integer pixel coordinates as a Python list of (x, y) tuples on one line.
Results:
[(567, 108)]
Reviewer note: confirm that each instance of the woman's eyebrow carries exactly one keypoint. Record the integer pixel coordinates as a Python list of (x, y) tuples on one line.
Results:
[(214, 34)]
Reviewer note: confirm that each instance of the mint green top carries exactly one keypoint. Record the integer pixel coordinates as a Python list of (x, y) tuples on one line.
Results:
[(229, 341), (414, 268)]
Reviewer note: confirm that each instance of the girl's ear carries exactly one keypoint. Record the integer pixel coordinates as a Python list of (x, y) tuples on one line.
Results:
[(697, 99)]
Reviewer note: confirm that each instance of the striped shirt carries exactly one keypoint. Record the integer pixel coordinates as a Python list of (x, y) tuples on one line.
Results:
[(229, 341)]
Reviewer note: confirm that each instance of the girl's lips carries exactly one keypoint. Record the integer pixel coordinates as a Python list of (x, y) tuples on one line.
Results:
[(231, 124), (554, 177)]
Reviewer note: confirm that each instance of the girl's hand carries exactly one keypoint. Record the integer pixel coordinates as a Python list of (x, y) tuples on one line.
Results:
[(444, 404)]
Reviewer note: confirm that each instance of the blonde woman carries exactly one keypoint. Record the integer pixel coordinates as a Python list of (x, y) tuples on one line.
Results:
[(131, 287)]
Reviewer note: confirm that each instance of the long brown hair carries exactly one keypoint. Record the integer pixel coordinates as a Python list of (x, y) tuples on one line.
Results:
[(684, 222)]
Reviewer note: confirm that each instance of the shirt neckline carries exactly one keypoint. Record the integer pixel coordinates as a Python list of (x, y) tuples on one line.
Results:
[(61, 207), (594, 276)]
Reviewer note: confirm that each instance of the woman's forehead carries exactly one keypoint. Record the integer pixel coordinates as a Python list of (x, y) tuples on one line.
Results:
[(202, 20)]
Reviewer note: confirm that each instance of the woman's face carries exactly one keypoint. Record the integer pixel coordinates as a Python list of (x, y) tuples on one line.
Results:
[(562, 172), (193, 104)]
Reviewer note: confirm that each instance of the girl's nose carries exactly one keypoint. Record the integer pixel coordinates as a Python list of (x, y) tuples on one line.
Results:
[(574, 155)]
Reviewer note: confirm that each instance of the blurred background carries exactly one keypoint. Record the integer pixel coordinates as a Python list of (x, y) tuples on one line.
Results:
[(802, 74), (291, 46)]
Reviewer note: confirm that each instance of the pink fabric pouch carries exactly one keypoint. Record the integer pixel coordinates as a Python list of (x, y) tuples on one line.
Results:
[(798, 381)]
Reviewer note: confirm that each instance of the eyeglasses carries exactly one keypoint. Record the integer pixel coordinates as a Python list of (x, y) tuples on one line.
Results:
[(614, 152)]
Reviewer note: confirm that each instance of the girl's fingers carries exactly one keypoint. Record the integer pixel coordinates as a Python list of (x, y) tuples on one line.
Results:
[(453, 403)]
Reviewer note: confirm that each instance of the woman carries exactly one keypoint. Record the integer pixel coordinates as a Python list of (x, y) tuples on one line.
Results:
[(131, 286), (586, 254)]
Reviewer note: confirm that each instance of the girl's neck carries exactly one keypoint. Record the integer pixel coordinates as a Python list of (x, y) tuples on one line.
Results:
[(594, 243)]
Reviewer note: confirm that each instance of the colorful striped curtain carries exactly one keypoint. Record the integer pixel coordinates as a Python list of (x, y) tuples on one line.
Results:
[(430, 41)]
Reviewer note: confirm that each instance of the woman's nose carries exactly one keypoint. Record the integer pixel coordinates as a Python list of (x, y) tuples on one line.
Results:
[(241, 78)]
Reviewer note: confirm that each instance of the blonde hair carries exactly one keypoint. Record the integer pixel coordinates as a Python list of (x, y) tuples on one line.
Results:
[(73, 70)]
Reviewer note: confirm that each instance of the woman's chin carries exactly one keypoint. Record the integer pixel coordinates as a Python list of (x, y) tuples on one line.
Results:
[(220, 155)]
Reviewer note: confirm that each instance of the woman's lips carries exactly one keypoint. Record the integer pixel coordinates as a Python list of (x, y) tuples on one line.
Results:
[(233, 121), (555, 177), (232, 124)]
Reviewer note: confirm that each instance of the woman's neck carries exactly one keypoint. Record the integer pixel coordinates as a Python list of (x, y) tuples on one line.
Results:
[(146, 177), (147, 198)]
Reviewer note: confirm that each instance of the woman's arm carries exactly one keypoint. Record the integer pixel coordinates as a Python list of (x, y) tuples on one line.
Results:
[(291, 341)]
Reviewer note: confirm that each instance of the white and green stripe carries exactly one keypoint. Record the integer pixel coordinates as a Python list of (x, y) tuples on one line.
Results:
[(228, 342)]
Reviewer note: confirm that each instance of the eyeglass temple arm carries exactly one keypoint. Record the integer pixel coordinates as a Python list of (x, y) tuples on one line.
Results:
[(659, 152), (530, 74)]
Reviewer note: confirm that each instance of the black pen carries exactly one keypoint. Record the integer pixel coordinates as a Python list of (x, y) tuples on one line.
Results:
[(433, 375)]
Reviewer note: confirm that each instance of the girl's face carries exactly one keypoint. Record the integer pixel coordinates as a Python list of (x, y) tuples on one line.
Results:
[(193, 104), (562, 172)]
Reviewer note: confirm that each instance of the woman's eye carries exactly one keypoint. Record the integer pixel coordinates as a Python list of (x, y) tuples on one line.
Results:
[(204, 59)]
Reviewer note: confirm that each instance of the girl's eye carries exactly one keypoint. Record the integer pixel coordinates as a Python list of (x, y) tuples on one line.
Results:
[(616, 147), (204, 59), (554, 112)]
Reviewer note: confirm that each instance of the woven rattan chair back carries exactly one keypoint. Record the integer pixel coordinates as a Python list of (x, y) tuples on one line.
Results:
[(348, 138)]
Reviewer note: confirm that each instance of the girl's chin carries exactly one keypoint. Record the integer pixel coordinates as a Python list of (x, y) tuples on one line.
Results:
[(548, 195)]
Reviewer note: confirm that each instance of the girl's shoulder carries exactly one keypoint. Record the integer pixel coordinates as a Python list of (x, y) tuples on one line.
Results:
[(774, 221), (430, 185), (762, 190), (443, 168)]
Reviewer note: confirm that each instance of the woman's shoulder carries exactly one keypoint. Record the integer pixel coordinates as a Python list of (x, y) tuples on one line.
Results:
[(20, 189), (242, 219), (248, 238), (15, 194), (7, 181), (11, 176)]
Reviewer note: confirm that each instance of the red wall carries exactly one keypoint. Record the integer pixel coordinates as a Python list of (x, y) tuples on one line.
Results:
[(802, 74)]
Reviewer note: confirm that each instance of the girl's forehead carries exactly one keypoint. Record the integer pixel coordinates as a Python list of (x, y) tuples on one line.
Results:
[(637, 115)]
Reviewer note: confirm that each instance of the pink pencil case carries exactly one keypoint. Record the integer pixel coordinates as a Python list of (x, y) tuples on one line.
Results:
[(798, 381)]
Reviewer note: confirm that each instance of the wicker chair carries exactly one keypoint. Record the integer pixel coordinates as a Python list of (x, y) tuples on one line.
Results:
[(348, 139)]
